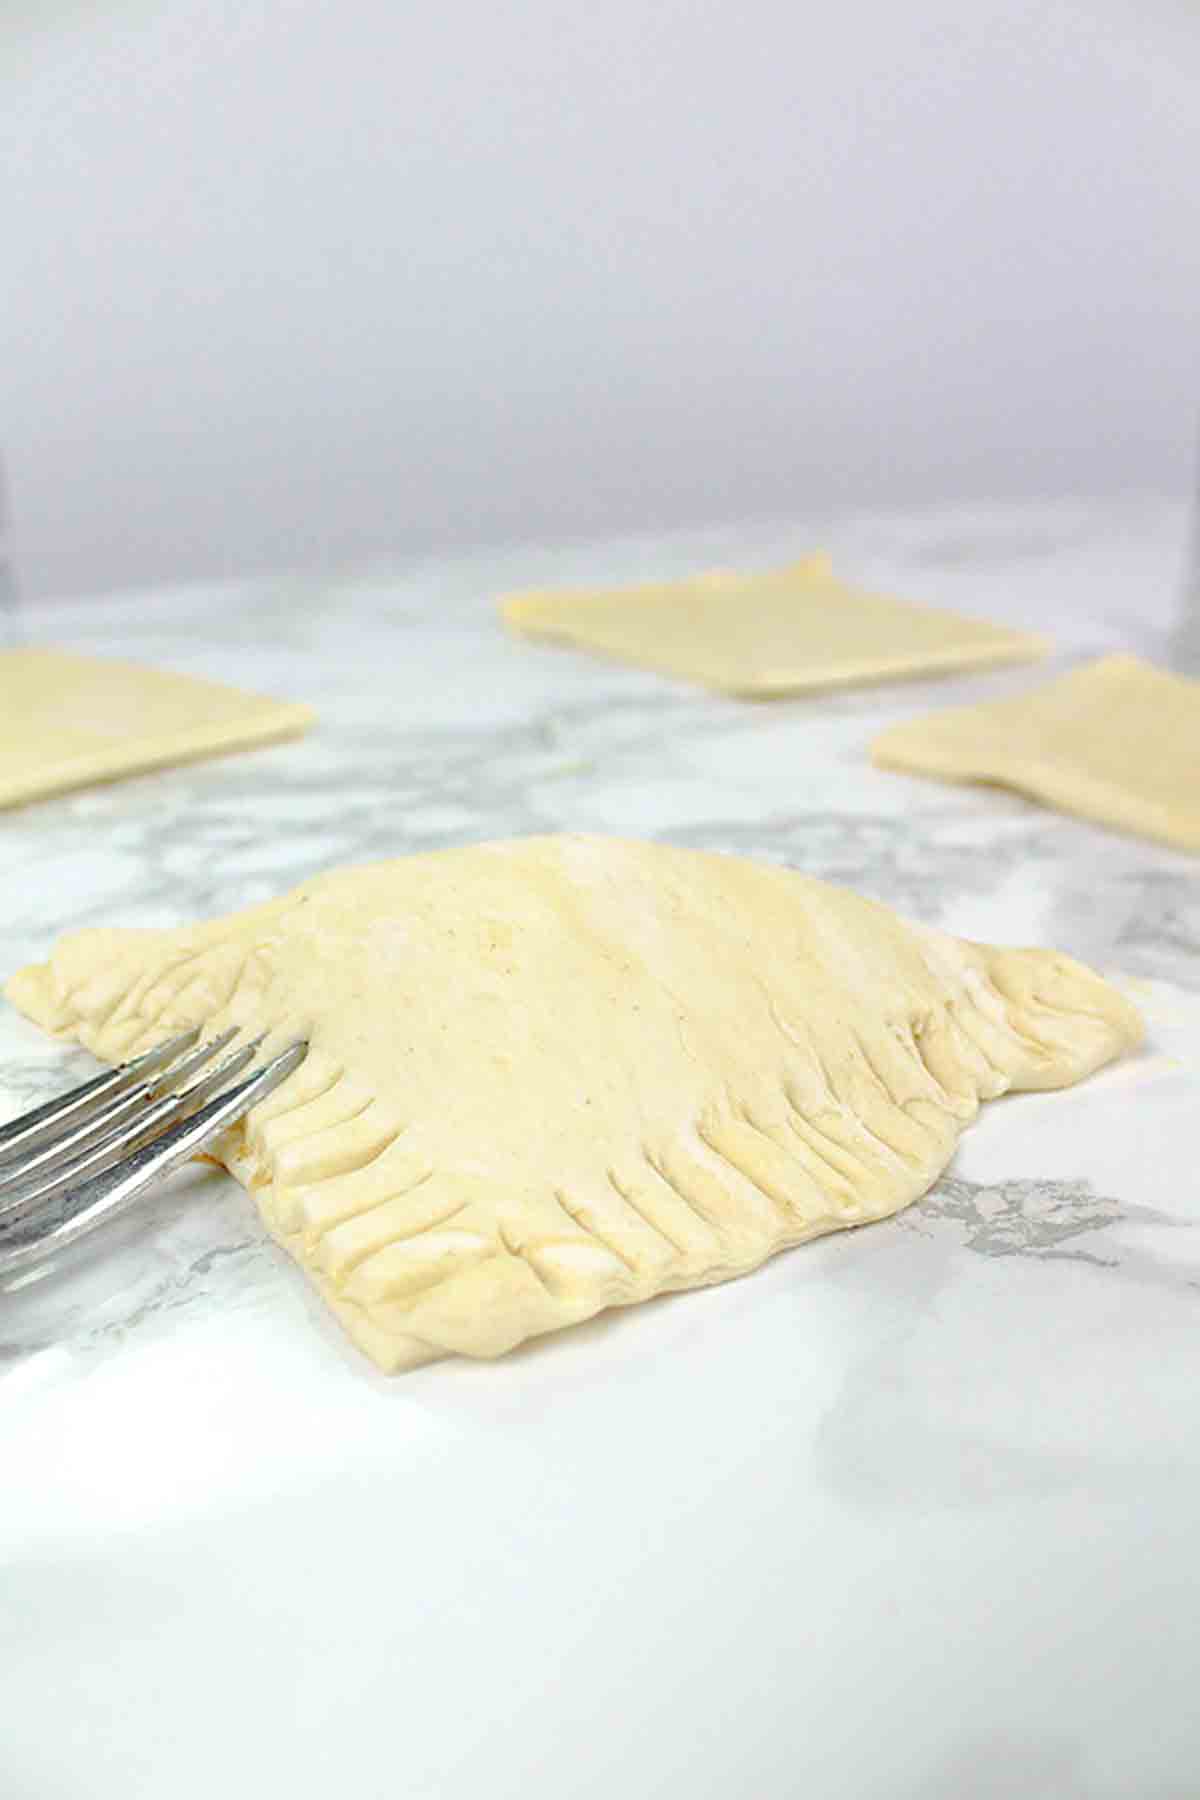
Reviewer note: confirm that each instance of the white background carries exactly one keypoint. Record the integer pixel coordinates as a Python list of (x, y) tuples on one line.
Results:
[(290, 281)]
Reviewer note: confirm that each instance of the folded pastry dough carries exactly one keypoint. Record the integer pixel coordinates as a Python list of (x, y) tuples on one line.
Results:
[(782, 632), (560, 1074), (1117, 741), (68, 721)]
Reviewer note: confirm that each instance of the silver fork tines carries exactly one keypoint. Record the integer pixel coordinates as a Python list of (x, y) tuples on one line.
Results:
[(26, 1132), (87, 1156), (105, 1121), (92, 1147)]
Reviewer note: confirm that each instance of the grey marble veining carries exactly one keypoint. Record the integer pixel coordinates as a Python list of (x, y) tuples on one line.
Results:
[(438, 730), (942, 1474)]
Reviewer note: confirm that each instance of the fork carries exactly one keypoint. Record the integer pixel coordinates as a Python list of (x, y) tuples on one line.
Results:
[(75, 1162)]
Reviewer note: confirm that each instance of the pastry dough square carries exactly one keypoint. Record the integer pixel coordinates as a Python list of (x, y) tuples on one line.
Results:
[(67, 721), (556, 1075), (786, 631), (1117, 742)]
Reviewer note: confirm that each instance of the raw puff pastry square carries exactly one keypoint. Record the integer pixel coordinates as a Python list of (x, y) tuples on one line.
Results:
[(783, 632), (560, 1074), (1118, 742), (68, 721)]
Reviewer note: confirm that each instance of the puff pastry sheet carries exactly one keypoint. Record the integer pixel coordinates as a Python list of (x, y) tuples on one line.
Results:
[(787, 631), (1117, 742), (68, 721)]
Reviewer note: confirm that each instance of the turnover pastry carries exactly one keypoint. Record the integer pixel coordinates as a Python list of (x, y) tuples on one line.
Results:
[(560, 1074)]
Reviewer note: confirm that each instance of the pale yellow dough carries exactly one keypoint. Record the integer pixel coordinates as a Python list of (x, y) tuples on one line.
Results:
[(783, 632), (561, 1074), (68, 721), (1118, 742)]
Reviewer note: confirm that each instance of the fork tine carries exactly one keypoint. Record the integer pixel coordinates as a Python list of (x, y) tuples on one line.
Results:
[(26, 1131), (186, 1066), (96, 1153), (81, 1208), (99, 1125)]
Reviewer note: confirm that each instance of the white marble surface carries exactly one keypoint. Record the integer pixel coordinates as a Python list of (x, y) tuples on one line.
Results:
[(910, 1513)]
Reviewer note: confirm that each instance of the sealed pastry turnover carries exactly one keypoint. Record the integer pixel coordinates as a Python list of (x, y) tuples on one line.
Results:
[(561, 1074)]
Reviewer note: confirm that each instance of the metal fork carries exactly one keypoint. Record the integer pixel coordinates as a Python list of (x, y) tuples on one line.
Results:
[(71, 1164)]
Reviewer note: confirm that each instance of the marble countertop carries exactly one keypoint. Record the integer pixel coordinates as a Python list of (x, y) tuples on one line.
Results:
[(909, 1513)]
